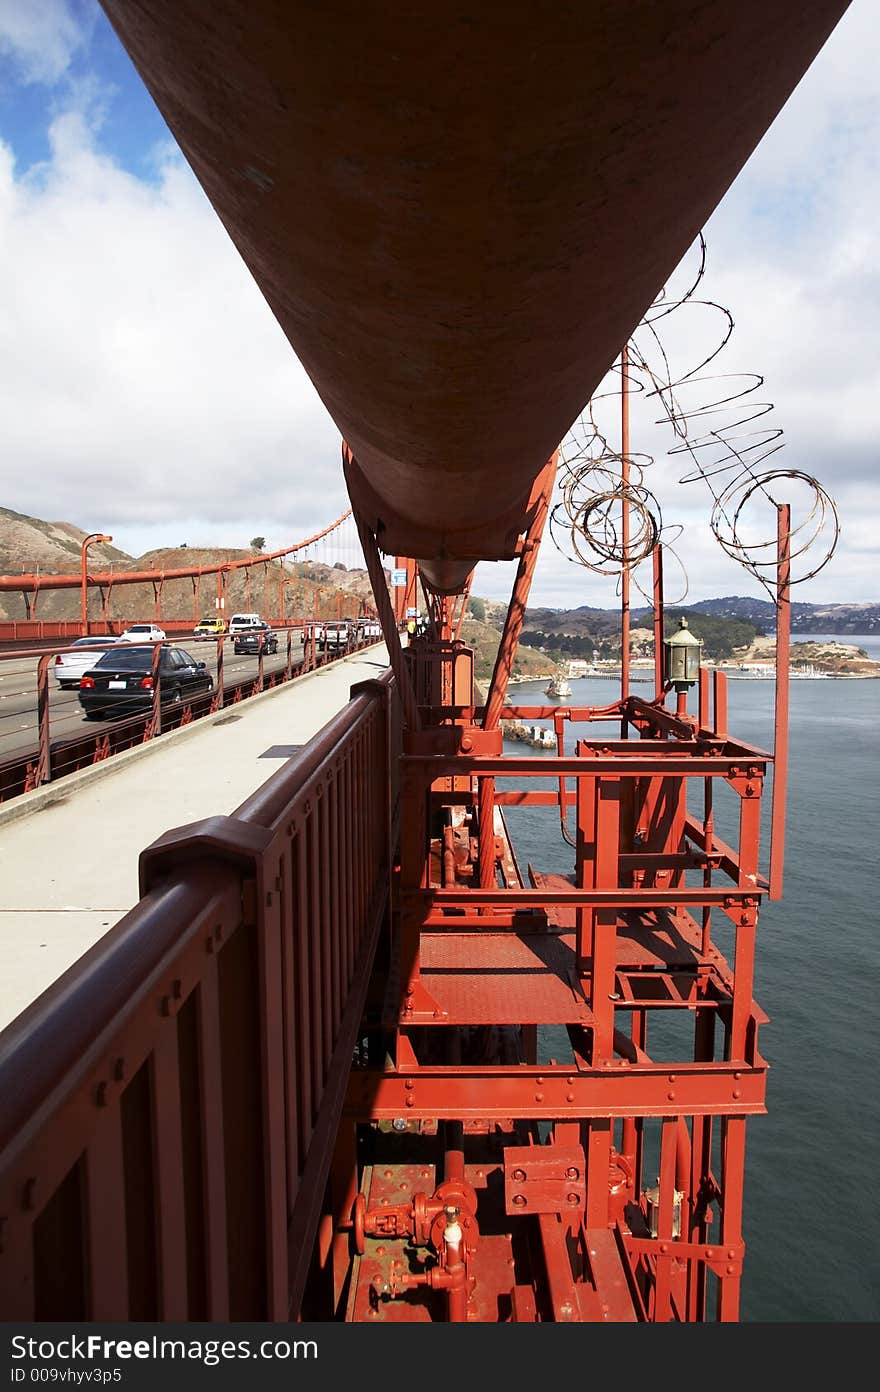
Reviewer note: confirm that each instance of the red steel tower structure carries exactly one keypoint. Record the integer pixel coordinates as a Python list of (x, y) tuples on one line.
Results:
[(379, 1069)]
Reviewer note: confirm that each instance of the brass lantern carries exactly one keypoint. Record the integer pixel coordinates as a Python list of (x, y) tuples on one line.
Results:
[(683, 658)]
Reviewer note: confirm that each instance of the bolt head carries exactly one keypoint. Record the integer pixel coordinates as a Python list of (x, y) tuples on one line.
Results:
[(398, 1124)]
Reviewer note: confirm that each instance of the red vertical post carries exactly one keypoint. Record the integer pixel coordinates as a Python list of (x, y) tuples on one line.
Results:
[(733, 1159), (486, 847), (624, 531), (719, 682), (665, 1220), (217, 703), (703, 700), (602, 975), (780, 720), (44, 762), (657, 559)]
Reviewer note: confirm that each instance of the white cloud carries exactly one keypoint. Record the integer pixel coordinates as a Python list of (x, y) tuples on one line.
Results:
[(146, 389), (40, 37), (143, 378)]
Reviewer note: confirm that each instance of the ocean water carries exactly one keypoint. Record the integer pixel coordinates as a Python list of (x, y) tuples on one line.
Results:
[(812, 1216)]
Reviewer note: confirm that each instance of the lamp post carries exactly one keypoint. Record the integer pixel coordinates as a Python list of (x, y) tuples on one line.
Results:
[(84, 579), (682, 663)]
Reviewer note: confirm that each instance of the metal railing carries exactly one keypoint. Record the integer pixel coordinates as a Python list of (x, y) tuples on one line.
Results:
[(62, 745), (167, 1106)]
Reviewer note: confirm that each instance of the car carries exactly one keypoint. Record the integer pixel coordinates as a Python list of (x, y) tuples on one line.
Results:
[(123, 680), (243, 623), (82, 654), (144, 633), (209, 628), (369, 630), (336, 636), (263, 636)]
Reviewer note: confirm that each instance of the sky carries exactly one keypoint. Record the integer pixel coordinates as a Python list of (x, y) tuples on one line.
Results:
[(144, 383)]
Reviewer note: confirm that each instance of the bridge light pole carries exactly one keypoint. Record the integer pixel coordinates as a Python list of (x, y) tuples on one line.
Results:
[(84, 579)]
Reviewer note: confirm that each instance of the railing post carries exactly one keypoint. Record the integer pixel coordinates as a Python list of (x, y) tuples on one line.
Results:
[(44, 763), (217, 703), (154, 724)]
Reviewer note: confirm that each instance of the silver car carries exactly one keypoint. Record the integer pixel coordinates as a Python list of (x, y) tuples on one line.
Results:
[(83, 654)]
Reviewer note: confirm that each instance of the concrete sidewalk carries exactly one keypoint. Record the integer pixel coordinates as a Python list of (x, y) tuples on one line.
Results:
[(68, 868)]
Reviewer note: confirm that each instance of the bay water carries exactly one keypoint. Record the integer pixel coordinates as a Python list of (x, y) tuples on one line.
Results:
[(812, 1217)]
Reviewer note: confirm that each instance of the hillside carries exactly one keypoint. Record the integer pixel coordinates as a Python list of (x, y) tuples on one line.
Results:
[(805, 618), (484, 638), (591, 633), (28, 544)]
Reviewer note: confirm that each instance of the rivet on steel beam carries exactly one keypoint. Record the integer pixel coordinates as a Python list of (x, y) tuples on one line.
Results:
[(539, 1097), (410, 1101), (731, 1253), (519, 1200), (670, 1096), (519, 1176), (539, 1081), (737, 1077), (664, 1247), (672, 1077), (709, 1253), (569, 1097), (730, 1270), (572, 1172), (736, 1093), (380, 1251), (409, 1084), (572, 1198)]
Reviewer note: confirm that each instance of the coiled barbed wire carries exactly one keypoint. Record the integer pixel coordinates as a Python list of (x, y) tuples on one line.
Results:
[(727, 456)]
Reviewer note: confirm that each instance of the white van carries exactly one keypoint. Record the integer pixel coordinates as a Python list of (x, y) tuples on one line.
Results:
[(244, 623)]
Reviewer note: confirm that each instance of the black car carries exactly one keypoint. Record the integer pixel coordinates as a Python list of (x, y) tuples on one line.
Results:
[(123, 680), (250, 641)]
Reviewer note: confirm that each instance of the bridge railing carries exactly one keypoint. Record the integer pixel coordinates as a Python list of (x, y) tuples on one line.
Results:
[(167, 1105), (64, 743)]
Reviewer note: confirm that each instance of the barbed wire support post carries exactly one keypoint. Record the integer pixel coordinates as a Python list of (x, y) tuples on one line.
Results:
[(780, 717)]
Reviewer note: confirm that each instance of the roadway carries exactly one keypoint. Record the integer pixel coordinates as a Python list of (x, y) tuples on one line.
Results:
[(18, 692)]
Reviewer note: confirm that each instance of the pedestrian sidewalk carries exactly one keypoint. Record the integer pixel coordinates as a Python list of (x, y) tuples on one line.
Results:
[(69, 865)]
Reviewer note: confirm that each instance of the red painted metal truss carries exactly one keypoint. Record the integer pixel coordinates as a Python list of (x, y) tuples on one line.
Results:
[(369, 1068)]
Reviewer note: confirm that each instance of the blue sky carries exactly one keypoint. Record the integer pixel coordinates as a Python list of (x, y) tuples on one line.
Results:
[(145, 387)]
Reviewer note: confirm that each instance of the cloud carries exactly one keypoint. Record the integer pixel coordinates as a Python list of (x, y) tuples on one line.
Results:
[(144, 380), (146, 389), (40, 38)]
